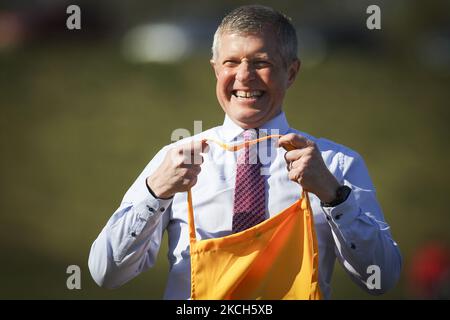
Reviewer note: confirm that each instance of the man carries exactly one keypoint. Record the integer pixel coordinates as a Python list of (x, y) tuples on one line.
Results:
[(255, 62)]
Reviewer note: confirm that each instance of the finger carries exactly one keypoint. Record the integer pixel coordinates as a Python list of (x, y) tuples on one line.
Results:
[(295, 175), (191, 152), (194, 147), (295, 154), (292, 141), (190, 171), (194, 171), (190, 160), (288, 166)]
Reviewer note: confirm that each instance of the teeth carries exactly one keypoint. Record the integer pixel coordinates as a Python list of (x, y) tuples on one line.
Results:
[(248, 94)]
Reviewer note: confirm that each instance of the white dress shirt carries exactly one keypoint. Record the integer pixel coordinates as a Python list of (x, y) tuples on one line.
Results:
[(354, 232)]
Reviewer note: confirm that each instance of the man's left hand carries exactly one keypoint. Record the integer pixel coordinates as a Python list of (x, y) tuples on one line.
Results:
[(306, 167)]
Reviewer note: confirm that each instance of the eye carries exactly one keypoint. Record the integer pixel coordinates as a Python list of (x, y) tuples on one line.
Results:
[(261, 64), (231, 63)]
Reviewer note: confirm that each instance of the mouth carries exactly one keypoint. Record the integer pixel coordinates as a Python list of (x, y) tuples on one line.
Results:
[(247, 94)]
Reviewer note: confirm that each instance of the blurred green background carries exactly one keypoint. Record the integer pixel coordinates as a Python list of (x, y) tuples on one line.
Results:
[(81, 117)]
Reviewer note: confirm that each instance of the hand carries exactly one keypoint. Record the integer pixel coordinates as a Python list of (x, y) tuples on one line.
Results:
[(306, 167), (179, 170)]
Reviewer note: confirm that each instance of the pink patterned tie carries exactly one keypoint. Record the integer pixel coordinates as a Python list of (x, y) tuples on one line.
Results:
[(249, 193)]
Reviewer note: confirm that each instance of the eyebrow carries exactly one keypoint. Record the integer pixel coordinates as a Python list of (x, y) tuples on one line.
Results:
[(262, 56)]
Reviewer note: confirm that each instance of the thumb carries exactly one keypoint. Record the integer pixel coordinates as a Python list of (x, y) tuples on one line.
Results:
[(292, 141), (205, 145)]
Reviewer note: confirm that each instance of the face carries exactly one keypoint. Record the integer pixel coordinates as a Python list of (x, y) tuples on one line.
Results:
[(251, 78)]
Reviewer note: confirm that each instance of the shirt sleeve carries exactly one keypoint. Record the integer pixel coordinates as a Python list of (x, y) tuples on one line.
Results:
[(130, 241), (364, 244)]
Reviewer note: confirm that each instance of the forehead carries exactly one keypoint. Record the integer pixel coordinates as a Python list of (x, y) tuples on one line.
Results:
[(248, 45)]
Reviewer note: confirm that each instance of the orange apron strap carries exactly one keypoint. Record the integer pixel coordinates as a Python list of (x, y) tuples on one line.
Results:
[(236, 147), (191, 223)]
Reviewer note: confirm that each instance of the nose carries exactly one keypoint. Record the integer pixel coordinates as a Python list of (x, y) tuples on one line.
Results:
[(244, 72)]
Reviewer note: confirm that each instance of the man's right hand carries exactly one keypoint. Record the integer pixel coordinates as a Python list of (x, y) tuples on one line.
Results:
[(179, 170)]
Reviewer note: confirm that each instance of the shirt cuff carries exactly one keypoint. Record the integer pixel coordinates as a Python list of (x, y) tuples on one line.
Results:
[(152, 207), (344, 213)]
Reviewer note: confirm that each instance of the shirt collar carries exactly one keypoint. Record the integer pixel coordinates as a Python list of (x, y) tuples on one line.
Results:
[(231, 130)]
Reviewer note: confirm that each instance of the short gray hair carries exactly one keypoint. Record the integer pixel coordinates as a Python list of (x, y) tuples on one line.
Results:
[(255, 20)]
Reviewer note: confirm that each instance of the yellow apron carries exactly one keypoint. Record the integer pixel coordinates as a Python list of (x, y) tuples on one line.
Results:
[(276, 259)]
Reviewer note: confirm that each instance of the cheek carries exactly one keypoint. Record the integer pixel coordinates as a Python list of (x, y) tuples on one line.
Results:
[(224, 80), (276, 84), (223, 88), (269, 78)]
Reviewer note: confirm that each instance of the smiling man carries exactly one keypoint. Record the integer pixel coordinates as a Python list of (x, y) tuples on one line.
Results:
[(255, 62), (252, 76)]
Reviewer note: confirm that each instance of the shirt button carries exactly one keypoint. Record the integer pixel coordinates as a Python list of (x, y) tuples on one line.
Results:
[(150, 209), (162, 209), (328, 218), (133, 234)]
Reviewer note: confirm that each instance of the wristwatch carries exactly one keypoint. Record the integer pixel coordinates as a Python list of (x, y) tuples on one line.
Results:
[(342, 194)]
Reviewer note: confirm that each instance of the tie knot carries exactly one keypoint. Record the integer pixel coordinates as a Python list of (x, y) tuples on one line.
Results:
[(249, 134)]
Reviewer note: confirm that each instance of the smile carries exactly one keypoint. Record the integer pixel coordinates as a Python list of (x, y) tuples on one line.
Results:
[(247, 94)]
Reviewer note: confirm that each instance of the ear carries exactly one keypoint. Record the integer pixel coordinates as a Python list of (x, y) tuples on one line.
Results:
[(293, 70), (214, 65)]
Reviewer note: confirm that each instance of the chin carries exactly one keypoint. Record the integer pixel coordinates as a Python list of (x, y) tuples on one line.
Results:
[(249, 120)]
